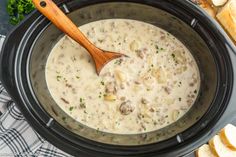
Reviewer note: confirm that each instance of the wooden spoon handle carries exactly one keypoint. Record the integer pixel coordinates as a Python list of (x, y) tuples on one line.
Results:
[(49, 9)]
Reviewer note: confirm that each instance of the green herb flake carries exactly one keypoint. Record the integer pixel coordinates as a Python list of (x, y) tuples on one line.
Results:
[(71, 108), (59, 77), (80, 99), (180, 99), (63, 118), (100, 95), (118, 62), (82, 105), (77, 77), (102, 83), (158, 49), (195, 91), (173, 55)]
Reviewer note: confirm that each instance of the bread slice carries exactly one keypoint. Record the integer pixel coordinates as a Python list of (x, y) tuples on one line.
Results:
[(205, 151), (218, 3), (207, 7), (227, 18), (228, 136), (220, 149)]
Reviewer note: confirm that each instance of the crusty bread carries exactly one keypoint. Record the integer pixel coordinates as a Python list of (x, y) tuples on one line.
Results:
[(220, 149), (228, 136), (218, 2), (227, 18), (207, 7), (205, 151)]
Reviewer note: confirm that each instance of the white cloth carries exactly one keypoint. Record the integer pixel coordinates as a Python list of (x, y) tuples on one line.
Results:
[(17, 138)]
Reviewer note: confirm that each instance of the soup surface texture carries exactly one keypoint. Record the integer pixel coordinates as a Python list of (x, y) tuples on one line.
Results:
[(152, 88)]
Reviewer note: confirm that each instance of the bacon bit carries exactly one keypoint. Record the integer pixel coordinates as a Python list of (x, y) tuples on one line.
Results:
[(140, 54), (167, 90), (65, 101), (191, 84), (151, 110), (68, 85)]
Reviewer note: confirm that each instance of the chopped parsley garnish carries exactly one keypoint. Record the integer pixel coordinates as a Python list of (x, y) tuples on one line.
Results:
[(102, 83), (173, 55), (158, 49), (100, 95), (17, 9), (77, 77), (63, 118), (82, 105), (71, 108), (59, 77), (118, 62)]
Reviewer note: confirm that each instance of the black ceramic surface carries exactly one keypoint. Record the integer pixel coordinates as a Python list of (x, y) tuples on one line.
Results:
[(216, 68)]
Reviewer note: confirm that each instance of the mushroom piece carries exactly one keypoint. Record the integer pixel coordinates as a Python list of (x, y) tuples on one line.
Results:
[(110, 88), (140, 54), (133, 45), (126, 108), (144, 101), (175, 115)]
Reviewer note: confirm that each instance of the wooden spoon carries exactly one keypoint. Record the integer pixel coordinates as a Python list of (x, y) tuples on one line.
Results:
[(49, 9)]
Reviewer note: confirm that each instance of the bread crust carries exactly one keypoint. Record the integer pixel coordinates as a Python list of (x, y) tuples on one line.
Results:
[(225, 140), (227, 18), (204, 153), (219, 148), (206, 5), (212, 145)]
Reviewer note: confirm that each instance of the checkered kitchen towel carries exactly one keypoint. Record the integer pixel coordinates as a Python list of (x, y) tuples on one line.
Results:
[(17, 138)]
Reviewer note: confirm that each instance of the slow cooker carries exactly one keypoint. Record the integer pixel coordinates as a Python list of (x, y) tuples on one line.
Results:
[(27, 47)]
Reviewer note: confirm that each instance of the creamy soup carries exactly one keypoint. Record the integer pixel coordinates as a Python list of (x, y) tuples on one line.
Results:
[(152, 88)]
